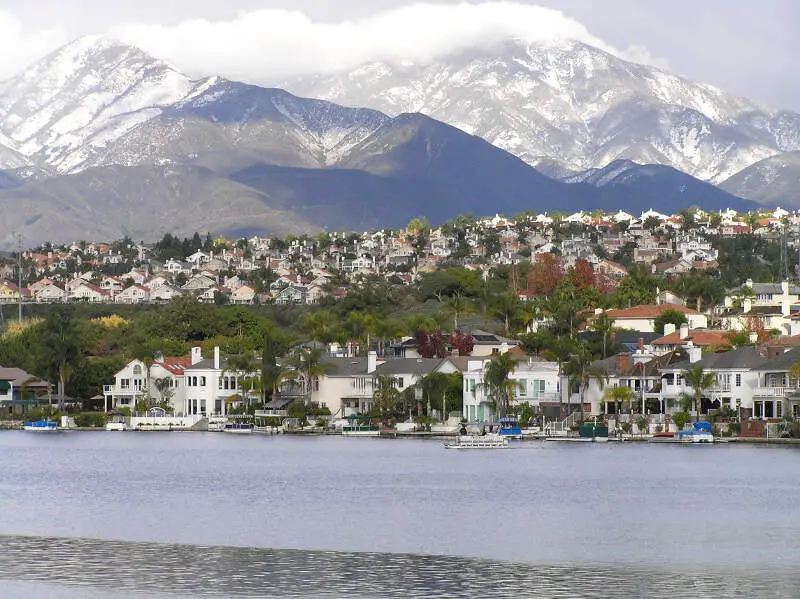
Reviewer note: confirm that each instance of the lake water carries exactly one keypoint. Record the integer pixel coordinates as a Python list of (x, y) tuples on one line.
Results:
[(150, 515)]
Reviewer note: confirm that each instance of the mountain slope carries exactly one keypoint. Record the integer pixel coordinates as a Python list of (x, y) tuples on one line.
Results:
[(144, 202), (573, 103), (655, 186), (772, 181), (66, 107)]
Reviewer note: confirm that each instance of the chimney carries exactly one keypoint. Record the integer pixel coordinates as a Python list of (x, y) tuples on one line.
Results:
[(622, 364), (216, 357), (372, 361), (504, 348), (684, 331), (197, 355), (695, 353), (749, 283), (669, 328)]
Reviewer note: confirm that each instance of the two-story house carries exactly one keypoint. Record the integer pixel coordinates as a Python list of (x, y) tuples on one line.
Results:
[(537, 383), (165, 383)]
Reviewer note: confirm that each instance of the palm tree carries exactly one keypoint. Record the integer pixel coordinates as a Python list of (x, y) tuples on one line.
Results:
[(582, 372), (497, 379), (385, 396), (308, 362), (243, 366), (61, 350), (458, 304), (163, 386), (618, 395), (604, 325), (434, 386), (699, 380)]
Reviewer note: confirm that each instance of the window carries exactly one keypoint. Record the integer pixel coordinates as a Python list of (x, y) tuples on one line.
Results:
[(202, 381), (739, 380), (399, 382), (779, 409), (125, 383), (137, 370), (538, 387)]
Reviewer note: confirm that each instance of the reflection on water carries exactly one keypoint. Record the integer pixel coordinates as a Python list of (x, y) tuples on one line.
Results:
[(113, 569)]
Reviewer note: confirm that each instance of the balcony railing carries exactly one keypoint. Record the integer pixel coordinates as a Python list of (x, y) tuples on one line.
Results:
[(774, 391)]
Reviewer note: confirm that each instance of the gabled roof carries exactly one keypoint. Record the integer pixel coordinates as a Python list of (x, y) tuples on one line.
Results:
[(419, 366), (699, 337), (782, 362), (176, 366), (648, 311), (744, 358)]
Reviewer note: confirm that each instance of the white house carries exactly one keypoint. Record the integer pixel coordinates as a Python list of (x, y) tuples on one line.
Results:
[(166, 384), (538, 384), (135, 294), (642, 318)]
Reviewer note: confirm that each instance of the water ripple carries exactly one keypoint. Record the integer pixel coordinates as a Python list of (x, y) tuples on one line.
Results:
[(158, 570)]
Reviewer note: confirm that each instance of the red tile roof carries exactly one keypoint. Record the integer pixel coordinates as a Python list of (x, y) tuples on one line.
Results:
[(175, 365), (699, 337), (648, 311)]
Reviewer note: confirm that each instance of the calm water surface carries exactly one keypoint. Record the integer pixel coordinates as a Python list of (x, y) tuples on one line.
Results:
[(147, 515)]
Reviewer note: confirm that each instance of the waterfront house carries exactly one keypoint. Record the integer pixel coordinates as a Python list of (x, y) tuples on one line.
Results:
[(538, 384), (21, 391), (736, 379), (166, 384)]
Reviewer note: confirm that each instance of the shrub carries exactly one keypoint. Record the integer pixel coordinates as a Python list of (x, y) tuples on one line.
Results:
[(680, 419)]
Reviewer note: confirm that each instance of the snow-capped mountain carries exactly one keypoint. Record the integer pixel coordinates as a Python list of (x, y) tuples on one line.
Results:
[(773, 181), (97, 102), (100, 140), (572, 103)]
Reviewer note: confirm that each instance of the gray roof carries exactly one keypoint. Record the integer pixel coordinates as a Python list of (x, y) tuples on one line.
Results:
[(208, 364), (347, 366), (420, 366), (768, 288), (742, 358), (782, 362), (18, 376)]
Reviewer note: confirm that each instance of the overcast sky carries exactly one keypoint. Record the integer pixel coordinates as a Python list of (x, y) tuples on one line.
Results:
[(742, 46)]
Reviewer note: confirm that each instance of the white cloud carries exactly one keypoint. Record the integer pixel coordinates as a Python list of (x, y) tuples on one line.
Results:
[(19, 47), (267, 46)]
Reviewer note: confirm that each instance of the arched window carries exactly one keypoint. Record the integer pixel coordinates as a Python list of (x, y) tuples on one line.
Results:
[(137, 370)]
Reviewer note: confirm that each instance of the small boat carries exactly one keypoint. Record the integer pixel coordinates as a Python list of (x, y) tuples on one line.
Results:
[(487, 441), (699, 433), (116, 426), (509, 427), (41, 426), (239, 428), (216, 424), (360, 426)]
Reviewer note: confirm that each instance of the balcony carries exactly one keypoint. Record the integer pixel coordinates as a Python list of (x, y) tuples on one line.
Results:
[(774, 391)]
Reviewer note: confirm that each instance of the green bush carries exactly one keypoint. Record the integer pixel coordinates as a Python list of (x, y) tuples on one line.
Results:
[(91, 420), (680, 419)]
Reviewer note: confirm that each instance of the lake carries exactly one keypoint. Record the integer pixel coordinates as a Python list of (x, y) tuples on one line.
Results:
[(148, 515)]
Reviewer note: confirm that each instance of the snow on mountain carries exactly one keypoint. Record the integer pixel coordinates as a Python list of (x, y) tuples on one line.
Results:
[(65, 108), (772, 181), (574, 104)]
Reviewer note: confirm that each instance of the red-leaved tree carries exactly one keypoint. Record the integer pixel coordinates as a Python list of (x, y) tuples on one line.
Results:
[(430, 345), (462, 342), (544, 274)]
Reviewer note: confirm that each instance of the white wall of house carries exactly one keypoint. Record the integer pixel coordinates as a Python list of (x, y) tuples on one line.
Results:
[(539, 382)]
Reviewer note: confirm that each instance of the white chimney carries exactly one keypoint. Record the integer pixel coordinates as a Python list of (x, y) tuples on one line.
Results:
[(216, 357), (695, 353), (504, 348), (669, 328), (684, 331), (372, 361), (197, 355)]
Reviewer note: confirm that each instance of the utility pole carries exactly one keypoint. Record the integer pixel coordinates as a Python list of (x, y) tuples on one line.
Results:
[(19, 275)]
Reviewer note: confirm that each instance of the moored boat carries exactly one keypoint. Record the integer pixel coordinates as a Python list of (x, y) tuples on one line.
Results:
[(239, 428), (509, 427), (699, 433), (216, 424), (488, 441), (41, 426)]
